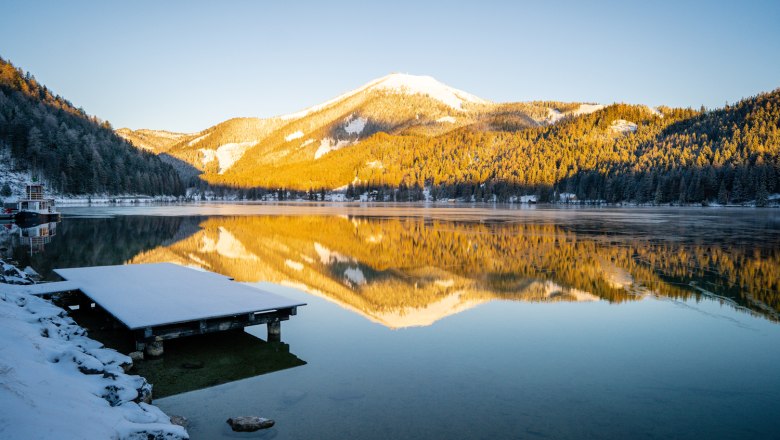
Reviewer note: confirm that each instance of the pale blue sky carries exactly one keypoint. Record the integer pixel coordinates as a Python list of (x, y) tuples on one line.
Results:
[(184, 66)]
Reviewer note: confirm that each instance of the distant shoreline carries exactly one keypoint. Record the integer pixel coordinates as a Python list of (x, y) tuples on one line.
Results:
[(144, 201)]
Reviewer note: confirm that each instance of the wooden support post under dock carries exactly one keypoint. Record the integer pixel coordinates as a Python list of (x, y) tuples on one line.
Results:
[(85, 303), (274, 331)]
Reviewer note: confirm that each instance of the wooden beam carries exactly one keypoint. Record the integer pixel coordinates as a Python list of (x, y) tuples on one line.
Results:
[(213, 325)]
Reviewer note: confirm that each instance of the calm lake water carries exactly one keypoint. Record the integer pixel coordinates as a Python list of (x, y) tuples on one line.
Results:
[(473, 323)]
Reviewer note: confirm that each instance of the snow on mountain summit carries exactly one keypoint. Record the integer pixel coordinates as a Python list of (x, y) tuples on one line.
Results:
[(402, 83), (425, 85)]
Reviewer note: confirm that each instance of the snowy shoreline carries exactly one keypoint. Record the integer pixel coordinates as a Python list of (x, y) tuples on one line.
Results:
[(56, 382), (338, 199), (17, 181)]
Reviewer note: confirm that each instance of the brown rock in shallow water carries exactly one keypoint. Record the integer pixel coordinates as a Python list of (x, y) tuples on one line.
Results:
[(249, 424)]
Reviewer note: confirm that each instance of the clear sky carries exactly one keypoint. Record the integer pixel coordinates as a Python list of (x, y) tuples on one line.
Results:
[(185, 66)]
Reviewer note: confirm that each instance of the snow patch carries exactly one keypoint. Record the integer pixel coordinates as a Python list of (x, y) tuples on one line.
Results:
[(327, 145), (567, 197), (529, 198), (202, 264), (229, 154), (336, 197), (445, 283), (294, 265), (308, 142), (446, 119), (375, 164), (355, 126), (622, 126), (292, 136), (355, 276), (208, 156), (554, 116), (617, 277), (226, 155), (226, 245), (554, 290), (327, 256), (585, 109)]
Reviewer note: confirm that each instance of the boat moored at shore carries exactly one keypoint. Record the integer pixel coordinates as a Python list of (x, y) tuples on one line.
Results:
[(34, 207)]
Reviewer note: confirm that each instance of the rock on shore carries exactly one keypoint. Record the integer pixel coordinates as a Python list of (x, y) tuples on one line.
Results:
[(249, 423)]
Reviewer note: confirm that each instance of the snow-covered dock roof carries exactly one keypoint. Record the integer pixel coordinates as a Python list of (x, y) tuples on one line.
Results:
[(152, 295)]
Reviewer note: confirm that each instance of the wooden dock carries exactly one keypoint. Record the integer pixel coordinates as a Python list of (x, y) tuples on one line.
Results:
[(165, 301)]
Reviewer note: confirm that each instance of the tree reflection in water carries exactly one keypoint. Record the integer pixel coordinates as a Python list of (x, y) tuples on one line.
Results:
[(413, 271)]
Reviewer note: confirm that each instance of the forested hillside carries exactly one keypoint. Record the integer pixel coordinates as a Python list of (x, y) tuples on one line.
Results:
[(730, 155), (401, 134), (73, 152), (242, 151), (621, 153)]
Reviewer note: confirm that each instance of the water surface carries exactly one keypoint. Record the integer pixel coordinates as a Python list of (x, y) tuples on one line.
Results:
[(470, 322)]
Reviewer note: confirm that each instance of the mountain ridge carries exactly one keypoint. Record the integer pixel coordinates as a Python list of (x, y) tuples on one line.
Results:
[(399, 134), (395, 104)]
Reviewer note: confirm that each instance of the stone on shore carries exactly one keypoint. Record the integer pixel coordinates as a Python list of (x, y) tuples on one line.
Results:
[(180, 420), (249, 423)]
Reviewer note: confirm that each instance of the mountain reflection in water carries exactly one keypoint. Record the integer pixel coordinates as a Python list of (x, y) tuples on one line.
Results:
[(403, 272), (415, 269)]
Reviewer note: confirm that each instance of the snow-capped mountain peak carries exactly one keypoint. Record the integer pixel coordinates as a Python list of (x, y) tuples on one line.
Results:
[(402, 83), (425, 85)]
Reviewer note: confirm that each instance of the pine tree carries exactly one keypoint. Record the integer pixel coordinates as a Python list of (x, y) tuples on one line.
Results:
[(5, 191), (683, 191), (737, 191), (723, 195), (762, 195)]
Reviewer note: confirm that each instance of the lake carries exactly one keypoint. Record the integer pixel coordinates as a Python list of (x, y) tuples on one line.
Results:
[(464, 322)]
